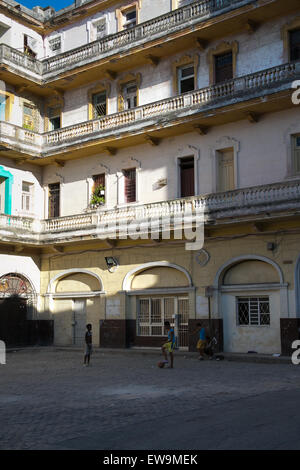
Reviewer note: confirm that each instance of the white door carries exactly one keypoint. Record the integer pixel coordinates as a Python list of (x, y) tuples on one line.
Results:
[(2, 195), (79, 322)]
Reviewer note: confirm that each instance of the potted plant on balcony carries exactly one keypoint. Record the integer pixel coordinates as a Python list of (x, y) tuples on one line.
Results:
[(97, 197)]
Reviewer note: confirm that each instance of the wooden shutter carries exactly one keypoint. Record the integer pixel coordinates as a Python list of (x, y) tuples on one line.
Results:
[(130, 185), (54, 200), (226, 170), (99, 179), (187, 177)]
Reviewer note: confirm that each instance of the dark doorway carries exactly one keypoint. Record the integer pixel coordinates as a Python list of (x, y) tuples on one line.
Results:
[(187, 179), (13, 328)]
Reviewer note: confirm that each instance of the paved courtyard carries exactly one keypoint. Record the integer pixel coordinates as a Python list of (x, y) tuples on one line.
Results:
[(48, 400)]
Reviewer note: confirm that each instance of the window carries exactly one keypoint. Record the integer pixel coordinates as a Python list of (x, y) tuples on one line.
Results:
[(129, 18), (295, 44), (29, 117), (55, 45), (130, 95), (54, 200), (27, 190), (98, 190), (296, 153), (253, 311), (54, 118), (226, 179), (2, 195), (186, 78), (99, 104), (30, 46), (130, 185), (223, 67), (99, 29), (154, 311), (187, 184)]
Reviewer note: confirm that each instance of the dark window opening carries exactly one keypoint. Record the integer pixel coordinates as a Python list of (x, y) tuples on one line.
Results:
[(187, 180), (54, 200), (186, 79), (223, 67), (295, 44)]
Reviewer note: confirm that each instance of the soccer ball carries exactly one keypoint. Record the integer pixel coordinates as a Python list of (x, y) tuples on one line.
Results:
[(160, 364)]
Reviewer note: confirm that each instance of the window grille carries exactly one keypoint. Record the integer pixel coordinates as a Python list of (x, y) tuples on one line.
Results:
[(99, 105), (253, 311), (100, 28), (55, 44)]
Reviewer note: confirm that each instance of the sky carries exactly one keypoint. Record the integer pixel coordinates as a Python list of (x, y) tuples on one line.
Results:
[(56, 4)]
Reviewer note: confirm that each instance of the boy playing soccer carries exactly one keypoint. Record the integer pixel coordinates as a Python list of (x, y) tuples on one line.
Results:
[(169, 346)]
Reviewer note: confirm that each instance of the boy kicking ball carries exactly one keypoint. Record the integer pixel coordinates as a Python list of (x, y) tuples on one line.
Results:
[(169, 346)]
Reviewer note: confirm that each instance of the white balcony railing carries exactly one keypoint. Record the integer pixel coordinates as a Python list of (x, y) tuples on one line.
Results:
[(41, 145), (192, 100), (159, 26), (247, 201), (144, 31)]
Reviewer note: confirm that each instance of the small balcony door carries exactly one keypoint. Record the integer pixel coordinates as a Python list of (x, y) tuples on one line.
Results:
[(295, 44), (223, 67), (226, 179), (54, 200), (130, 185), (2, 195), (187, 177)]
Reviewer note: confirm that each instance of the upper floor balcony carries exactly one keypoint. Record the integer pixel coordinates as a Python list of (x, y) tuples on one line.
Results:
[(246, 97), (193, 25), (256, 206)]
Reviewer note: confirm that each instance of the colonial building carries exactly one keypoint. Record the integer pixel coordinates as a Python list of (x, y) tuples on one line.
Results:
[(125, 111)]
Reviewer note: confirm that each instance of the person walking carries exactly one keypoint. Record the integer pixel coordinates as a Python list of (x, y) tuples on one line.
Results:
[(88, 345)]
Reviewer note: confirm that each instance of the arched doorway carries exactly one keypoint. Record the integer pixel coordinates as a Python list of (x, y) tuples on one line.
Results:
[(17, 299), (158, 292), (74, 301), (250, 297)]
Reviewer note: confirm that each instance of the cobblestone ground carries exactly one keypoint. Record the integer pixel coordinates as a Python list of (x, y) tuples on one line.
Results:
[(48, 400)]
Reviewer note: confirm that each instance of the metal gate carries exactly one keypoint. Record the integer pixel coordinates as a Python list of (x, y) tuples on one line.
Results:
[(154, 311)]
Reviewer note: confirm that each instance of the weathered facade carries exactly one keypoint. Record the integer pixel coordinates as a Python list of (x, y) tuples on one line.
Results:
[(112, 116)]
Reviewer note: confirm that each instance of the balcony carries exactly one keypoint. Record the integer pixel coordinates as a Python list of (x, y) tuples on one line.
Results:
[(214, 105), (172, 32), (248, 204)]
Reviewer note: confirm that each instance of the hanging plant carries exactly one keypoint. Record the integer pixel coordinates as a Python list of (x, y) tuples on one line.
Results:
[(98, 196)]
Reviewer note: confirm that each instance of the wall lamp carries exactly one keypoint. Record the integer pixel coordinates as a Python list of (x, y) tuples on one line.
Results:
[(112, 263)]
